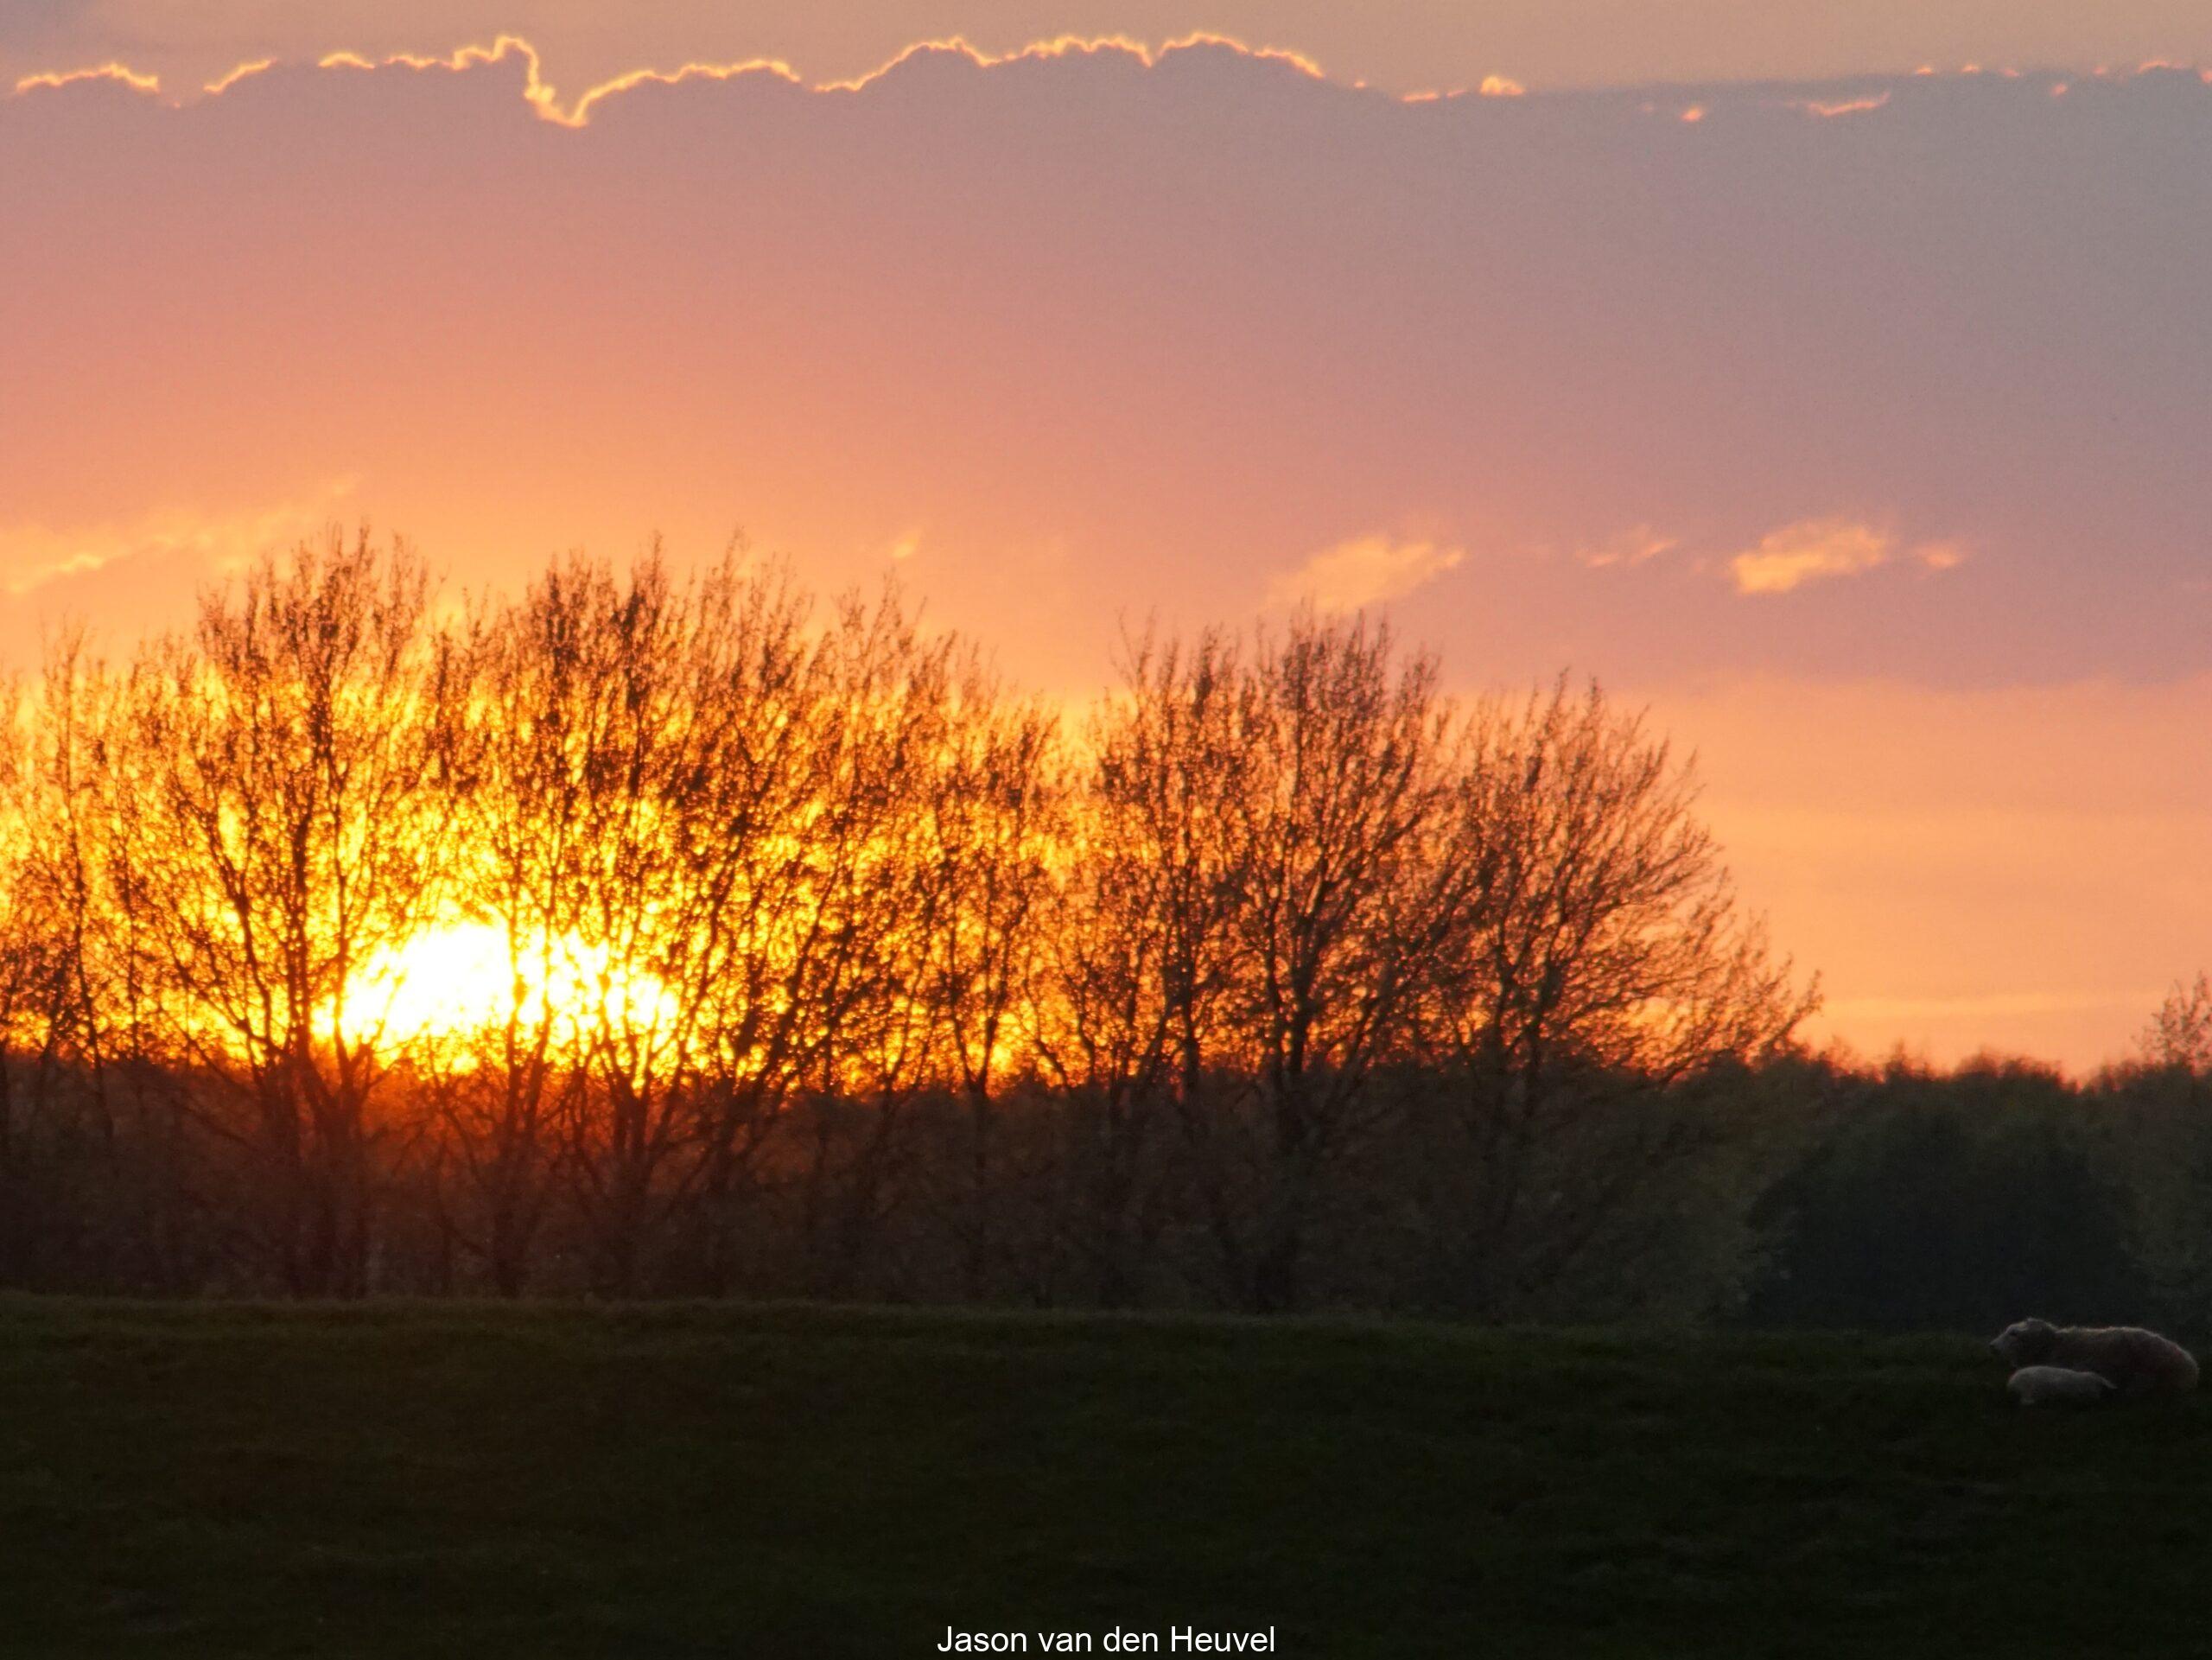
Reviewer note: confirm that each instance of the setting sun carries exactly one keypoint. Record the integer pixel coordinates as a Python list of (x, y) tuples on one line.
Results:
[(453, 983)]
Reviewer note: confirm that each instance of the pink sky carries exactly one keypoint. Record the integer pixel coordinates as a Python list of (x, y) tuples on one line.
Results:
[(1855, 423)]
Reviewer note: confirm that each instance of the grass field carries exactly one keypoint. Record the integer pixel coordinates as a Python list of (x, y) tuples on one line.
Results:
[(683, 1481)]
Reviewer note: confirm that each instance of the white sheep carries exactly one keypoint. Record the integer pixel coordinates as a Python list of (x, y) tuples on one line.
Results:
[(2036, 1386), (2135, 1361)]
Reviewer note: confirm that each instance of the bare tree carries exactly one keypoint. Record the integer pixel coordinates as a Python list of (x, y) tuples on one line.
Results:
[(1101, 1015), (684, 717), (1343, 902), (869, 920), (1289, 795), (42, 1022), (278, 823), (111, 1099), (737, 794), (994, 816), (823, 963), (2180, 1034), (1164, 763), (32, 976), (1606, 965), (520, 747)]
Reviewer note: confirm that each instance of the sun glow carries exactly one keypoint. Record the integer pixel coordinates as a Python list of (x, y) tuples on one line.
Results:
[(455, 982)]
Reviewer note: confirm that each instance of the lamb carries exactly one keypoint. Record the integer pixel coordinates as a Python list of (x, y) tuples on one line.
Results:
[(2135, 1362), (2036, 1386)]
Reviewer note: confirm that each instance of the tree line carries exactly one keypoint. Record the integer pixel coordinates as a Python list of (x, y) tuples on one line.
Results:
[(643, 934)]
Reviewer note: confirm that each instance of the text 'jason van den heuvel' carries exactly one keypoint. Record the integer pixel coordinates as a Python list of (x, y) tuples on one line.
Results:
[(1177, 1639)]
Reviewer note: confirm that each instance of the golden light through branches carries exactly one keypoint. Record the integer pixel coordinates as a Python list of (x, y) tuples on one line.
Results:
[(598, 923), (437, 993)]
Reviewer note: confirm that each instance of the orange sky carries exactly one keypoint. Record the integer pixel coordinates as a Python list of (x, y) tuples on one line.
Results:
[(1855, 424)]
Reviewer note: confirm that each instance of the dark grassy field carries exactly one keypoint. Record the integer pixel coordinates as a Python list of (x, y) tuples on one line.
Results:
[(430, 1480)]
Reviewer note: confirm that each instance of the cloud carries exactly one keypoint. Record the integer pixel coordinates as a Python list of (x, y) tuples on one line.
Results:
[(1403, 44), (51, 79), (1628, 549), (1364, 571), (34, 558), (1811, 551), (539, 92), (1822, 550), (545, 99), (1174, 313), (229, 78), (1832, 107), (1078, 46)]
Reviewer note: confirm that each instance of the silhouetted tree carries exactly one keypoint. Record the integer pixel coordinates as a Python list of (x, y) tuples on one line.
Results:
[(1964, 1201), (275, 822), (2180, 1033), (824, 965), (1607, 966)]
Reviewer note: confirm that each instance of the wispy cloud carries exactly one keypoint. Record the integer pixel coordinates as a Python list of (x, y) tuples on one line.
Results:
[(1365, 570), (1840, 106), (1629, 548), (35, 556), (1810, 550), (1823, 549)]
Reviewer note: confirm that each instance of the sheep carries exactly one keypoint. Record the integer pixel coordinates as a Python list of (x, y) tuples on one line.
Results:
[(2036, 1386), (2134, 1361)]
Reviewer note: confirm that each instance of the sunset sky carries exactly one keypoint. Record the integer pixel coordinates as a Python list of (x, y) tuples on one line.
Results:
[(1834, 380)]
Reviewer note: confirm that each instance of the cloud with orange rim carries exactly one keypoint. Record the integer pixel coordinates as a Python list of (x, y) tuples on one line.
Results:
[(1397, 45)]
